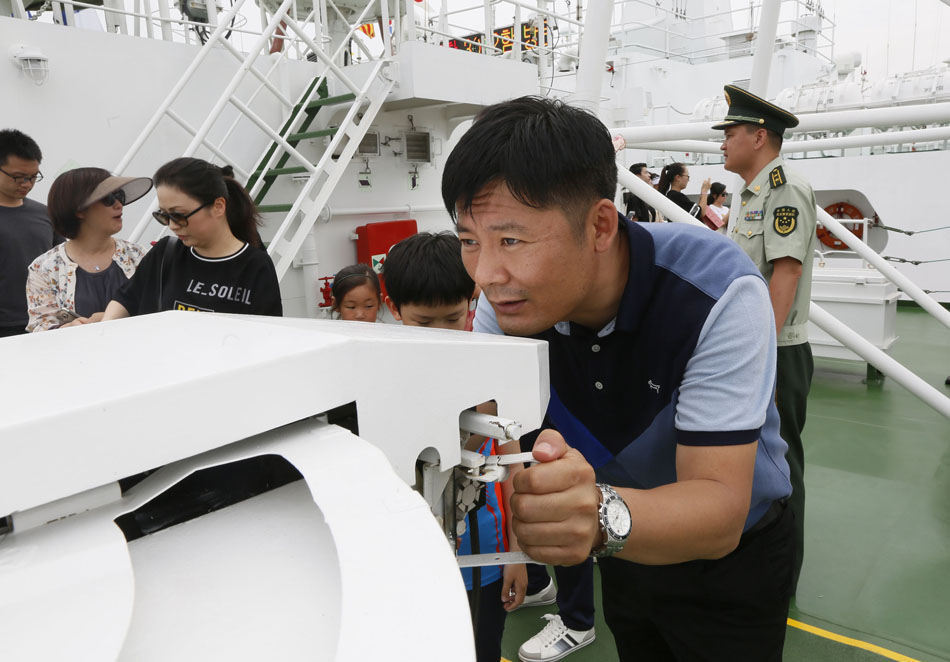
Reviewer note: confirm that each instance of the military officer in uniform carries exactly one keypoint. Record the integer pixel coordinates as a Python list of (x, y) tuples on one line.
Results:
[(775, 225)]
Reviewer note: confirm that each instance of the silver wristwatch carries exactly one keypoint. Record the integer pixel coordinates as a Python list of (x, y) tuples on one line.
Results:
[(615, 521)]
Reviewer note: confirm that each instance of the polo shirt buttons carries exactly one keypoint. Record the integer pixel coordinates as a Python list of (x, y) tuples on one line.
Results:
[(599, 386), (595, 348)]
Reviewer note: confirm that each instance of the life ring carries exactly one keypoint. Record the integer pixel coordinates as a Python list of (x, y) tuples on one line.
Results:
[(842, 210)]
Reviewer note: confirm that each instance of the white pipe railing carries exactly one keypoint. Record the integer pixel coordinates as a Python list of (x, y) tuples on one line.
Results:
[(934, 134), (842, 120), (273, 135), (238, 77), (183, 123), (876, 357), (867, 253), (263, 78), (330, 213), (546, 13), (669, 209)]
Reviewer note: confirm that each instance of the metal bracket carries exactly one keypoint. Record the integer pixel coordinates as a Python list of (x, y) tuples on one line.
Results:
[(491, 468), (503, 558), (503, 429)]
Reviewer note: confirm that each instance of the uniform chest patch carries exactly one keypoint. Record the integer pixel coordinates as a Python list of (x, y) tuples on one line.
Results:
[(786, 219)]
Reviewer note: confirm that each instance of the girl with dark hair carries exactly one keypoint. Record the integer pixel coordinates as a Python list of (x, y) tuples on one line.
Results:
[(73, 282), (357, 296), (673, 179), (215, 262)]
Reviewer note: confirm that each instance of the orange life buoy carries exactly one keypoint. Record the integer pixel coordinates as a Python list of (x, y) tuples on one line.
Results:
[(841, 210)]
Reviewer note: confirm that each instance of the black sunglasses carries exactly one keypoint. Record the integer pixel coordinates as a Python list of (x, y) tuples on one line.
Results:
[(166, 217), (110, 199)]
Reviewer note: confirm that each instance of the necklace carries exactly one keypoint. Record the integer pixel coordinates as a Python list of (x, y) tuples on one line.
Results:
[(97, 267)]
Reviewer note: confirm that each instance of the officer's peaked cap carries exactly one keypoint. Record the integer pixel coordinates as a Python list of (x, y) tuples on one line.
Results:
[(747, 108)]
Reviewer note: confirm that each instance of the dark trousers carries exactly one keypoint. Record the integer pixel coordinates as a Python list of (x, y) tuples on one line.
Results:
[(730, 609), (795, 369), (6, 331), (575, 591), (488, 621)]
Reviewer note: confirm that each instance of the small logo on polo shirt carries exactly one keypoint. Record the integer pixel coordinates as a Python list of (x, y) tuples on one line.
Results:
[(655, 387)]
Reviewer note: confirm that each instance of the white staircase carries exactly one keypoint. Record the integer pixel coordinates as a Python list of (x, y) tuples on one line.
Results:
[(332, 89)]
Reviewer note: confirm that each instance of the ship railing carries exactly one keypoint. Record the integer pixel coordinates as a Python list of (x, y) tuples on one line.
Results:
[(682, 36), (509, 40), (821, 318), (243, 27)]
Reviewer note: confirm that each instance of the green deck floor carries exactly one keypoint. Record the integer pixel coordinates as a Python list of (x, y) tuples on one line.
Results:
[(877, 564)]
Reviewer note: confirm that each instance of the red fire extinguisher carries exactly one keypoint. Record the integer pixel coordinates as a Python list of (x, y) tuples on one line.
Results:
[(327, 291)]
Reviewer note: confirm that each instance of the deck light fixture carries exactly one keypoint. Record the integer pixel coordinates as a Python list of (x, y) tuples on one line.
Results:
[(32, 62)]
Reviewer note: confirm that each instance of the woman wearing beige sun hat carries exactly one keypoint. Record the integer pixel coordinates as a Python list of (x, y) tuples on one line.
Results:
[(73, 282)]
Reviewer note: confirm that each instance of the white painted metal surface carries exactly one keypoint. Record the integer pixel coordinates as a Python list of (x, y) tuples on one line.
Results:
[(302, 571), (593, 52), (861, 298), (295, 573), (764, 46), (154, 389)]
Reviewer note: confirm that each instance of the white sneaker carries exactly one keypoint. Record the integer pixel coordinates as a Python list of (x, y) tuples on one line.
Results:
[(546, 596), (555, 641)]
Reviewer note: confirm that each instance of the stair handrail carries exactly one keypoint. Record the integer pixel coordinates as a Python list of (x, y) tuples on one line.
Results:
[(285, 249), (177, 89), (330, 62), (224, 98)]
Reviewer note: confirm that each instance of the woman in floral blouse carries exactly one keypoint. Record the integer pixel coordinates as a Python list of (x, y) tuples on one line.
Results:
[(72, 283)]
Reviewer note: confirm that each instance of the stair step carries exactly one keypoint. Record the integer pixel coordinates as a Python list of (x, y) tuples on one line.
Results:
[(264, 209), (294, 138), (309, 116), (331, 101), (289, 170)]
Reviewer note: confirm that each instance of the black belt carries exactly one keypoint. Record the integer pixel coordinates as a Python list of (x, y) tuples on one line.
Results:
[(771, 515)]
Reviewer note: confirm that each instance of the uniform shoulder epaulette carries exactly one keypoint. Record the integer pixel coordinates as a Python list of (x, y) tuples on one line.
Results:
[(777, 177)]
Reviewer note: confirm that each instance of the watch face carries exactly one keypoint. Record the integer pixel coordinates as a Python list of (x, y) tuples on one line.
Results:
[(618, 518)]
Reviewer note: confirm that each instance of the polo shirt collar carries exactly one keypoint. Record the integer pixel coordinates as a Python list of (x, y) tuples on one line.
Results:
[(760, 183), (636, 293)]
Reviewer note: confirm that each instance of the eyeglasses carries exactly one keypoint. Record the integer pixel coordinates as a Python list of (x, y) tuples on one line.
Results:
[(166, 217), (110, 199), (19, 179)]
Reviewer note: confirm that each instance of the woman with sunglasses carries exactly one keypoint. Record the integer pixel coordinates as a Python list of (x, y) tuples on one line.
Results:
[(73, 282), (717, 213), (216, 264)]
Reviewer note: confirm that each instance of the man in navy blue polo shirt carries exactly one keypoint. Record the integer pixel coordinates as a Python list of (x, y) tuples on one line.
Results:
[(661, 445)]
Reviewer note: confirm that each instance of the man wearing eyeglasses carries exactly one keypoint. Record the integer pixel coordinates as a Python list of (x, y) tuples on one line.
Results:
[(25, 229)]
